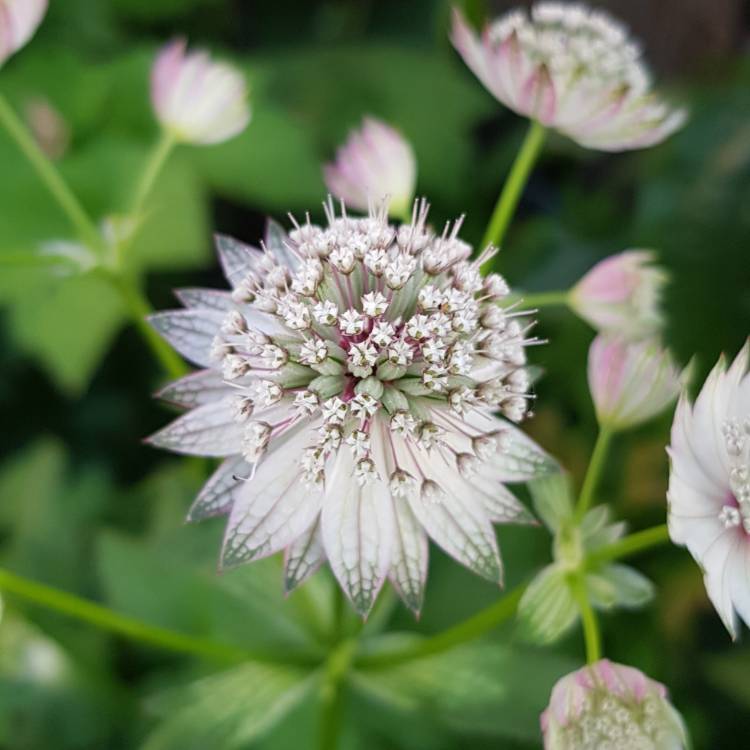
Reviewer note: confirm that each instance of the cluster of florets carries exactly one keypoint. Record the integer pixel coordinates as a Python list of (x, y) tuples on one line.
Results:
[(736, 510), (362, 317)]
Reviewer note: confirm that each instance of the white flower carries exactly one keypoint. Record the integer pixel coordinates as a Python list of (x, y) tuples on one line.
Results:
[(607, 705), (19, 19), (355, 457), (196, 99), (622, 294), (572, 69), (375, 163), (709, 486), (631, 382)]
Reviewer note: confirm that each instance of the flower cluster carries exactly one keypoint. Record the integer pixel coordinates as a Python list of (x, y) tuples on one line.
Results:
[(572, 69), (354, 374)]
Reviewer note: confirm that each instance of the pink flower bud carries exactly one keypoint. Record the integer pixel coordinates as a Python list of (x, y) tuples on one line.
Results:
[(19, 19), (608, 705), (621, 294), (375, 163), (630, 382), (197, 100)]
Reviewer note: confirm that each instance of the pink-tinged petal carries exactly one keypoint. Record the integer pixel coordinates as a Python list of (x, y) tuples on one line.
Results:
[(358, 530), (408, 571), (190, 332), (198, 388), (718, 575), (19, 20), (538, 98), (218, 493), (206, 299), (237, 259), (209, 430), (303, 557)]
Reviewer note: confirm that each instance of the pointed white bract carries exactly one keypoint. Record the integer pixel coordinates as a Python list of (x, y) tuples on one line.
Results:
[(19, 19), (631, 382), (354, 372), (608, 706), (572, 69), (709, 486), (622, 295), (376, 163), (195, 99)]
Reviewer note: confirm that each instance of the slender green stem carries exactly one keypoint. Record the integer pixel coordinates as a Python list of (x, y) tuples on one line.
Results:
[(331, 693), (591, 634), (156, 161), (514, 185), (546, 299), (630, 545), (594, 471), (49, 175), (466, 631), (101, 617)]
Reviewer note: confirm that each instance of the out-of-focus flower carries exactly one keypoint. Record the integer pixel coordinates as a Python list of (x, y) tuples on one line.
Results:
[(572, 69), (19, 19), (350, 379), (622, 295), (630, 382), (375, 163), (48, 126), (709, 486), (196, 99), (608, 706)]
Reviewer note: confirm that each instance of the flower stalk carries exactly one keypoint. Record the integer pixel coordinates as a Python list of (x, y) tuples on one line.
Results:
[(594, 471), (591, 632), (630, 545)]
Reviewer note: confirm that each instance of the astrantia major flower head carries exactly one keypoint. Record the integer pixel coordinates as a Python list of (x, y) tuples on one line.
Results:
[(608, 706), (351, 381), (572, 69), (196, 99), (376, 163), (622, 295), (709, 486), (19, 19)]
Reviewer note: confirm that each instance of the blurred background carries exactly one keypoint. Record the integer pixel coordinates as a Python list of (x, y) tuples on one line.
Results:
[(85, 507)]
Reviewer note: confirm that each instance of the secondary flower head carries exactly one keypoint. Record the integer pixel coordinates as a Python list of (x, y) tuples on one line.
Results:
[(196, 99), (608, 706), (573, 69), (630, 382), (622, 294), (709, 486), (351, 379), (19, 19), (376, 163)]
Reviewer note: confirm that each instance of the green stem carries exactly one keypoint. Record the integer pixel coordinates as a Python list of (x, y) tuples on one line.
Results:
[(331, 694), (49, 175), (630, 545), (514, 185), (594, 471), (546, 299), (156, 161), (101, 617), (468, 630), (591, 634)]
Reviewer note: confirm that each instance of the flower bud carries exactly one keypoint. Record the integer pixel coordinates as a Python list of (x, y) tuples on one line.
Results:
[(19, 19), (195, 99), (375, 163), (608, 705), (621, 294), (630, 382)]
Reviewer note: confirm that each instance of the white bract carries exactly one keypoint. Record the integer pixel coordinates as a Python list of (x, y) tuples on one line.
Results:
[(572, 69), (709, 486), (350, 384), (19, 19)]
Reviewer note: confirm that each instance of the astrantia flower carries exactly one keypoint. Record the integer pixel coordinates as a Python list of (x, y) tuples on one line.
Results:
[(350, 381), (196, 99), (622, 294), (631, 382), (572, 69), (607, 706), (19, 19), (376, 163), (709, 486)]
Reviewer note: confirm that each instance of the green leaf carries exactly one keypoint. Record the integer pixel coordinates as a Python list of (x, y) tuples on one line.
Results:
[(229, 709), (547, 609), (553, 499), (619, 586)]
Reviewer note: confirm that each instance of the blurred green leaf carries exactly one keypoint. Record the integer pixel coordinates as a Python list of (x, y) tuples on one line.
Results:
[(553, 499), (547, 609), (619, 586)]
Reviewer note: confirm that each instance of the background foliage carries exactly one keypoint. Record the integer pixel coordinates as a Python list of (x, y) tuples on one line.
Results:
[(87, 508)]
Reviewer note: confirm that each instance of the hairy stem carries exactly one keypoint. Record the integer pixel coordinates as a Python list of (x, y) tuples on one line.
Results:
[(594, 471), (514, 185), (630, 545)]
